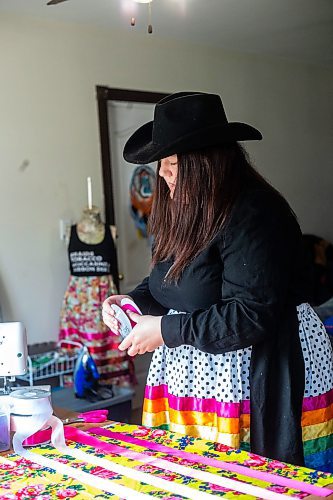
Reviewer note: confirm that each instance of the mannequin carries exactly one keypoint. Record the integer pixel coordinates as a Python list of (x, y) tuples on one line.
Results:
[(90, 228), (92, 257)]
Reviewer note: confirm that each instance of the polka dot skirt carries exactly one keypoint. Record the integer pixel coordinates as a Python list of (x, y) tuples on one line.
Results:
[(190, 372), (208, 395), (317, 352)]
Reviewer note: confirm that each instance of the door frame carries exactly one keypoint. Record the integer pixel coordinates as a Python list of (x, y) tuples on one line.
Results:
[(103, 95)]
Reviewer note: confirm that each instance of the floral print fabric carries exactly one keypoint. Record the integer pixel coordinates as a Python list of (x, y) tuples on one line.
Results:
[(81, 321), (21, 479)]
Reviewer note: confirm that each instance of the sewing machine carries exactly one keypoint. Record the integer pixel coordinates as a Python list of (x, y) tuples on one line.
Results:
[(13, 362), (13, 354)]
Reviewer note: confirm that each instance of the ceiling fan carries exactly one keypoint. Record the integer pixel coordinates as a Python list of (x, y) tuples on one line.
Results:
[(54, 2), (150, 27)]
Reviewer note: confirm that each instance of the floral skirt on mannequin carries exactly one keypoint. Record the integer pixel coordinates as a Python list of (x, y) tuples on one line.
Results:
[(81, 321)]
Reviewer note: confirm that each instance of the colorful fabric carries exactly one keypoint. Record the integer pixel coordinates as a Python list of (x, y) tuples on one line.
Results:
[(204, 395), (81, 321), (142, 188), (21, 479)]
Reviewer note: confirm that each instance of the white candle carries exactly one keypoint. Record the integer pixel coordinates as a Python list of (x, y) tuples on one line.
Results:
[(89, 193)]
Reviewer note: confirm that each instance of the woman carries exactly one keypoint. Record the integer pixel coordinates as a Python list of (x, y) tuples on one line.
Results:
[(225, 306)]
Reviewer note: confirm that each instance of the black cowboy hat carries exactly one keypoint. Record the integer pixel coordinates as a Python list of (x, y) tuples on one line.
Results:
[(185, 122)]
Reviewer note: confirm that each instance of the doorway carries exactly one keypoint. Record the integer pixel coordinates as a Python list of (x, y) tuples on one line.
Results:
[(120, 113)]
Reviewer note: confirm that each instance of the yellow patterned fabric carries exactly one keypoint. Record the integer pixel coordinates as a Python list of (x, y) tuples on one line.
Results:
[(20, 479)]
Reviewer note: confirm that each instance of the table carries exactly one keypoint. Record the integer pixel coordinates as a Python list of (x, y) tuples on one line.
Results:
[(152, 459)]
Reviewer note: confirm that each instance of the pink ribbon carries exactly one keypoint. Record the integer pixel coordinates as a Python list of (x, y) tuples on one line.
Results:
[(212, 462), (225, 409), (214, 479), (207, 405), (318, 402), (40, 437)]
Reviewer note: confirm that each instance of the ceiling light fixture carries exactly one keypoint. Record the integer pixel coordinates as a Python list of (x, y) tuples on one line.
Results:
[(150, 26)]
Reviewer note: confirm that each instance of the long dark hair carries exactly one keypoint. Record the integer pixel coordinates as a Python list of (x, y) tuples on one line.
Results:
[(208, 183)]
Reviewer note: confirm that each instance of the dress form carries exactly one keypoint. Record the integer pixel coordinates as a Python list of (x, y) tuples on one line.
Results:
[(90, 228), (92, 257)]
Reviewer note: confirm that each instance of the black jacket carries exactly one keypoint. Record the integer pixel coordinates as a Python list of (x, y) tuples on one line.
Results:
[(241, 291)]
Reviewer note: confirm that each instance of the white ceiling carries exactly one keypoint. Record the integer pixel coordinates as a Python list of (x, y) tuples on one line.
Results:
[(296, 29)]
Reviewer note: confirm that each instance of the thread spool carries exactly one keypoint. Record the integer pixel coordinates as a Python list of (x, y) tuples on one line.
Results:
[(24, 405), (30, 401)]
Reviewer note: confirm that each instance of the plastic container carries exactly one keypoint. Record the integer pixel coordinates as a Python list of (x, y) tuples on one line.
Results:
[(4, 428)]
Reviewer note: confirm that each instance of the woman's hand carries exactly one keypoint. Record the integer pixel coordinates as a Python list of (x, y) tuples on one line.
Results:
[(146, 335), (108, 313)]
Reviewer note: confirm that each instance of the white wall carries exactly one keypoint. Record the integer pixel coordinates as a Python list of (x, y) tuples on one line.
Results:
[(48, 116)]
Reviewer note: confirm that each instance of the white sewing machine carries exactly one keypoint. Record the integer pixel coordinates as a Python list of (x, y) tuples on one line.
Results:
[(13, 353)]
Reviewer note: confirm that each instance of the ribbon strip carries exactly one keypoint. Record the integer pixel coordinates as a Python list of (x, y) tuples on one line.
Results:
[(33, 424), (84, 438), (231, 467), (58, 441), (37, 421), (84, 477)]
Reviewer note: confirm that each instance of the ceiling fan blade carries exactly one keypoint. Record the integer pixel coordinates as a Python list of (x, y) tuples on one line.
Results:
[(54, 2)]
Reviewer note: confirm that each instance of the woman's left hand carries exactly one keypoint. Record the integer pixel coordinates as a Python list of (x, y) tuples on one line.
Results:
[(146, 335)]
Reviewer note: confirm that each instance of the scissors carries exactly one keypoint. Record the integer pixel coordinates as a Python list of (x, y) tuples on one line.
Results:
[(94, 416)]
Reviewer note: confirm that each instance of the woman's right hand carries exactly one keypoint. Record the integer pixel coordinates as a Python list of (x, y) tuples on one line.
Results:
[(108, 313)]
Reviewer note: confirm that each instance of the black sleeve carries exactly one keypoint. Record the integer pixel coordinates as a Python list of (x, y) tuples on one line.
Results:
[(144, 299), (256, 254)]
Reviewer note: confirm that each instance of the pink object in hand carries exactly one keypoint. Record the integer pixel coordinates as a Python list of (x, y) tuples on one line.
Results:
[(120, 314), (129, 305)]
